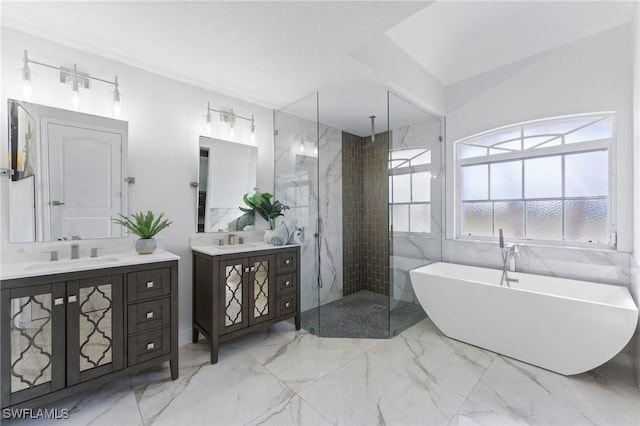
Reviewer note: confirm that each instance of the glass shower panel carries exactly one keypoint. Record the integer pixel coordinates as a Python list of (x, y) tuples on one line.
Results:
[(412, 130), (296, 185)]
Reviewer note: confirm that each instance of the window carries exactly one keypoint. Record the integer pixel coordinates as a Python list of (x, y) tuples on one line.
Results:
[(545, 181), (410, 189)]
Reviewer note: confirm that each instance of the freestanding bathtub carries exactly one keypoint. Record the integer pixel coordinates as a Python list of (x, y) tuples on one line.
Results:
[(562, 325)]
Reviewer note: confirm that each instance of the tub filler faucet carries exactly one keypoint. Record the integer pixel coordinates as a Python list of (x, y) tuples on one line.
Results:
[(508, 251)]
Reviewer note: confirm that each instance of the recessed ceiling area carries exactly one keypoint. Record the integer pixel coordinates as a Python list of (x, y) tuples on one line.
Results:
[(276, 53)]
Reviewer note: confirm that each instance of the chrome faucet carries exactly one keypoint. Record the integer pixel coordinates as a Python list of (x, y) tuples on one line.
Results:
[(508, 251), (231, 239), (75, 251)]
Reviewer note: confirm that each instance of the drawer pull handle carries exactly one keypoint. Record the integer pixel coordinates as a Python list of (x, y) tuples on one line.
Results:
[(288, 261), (149, 315), (286, 305), (246, 269), (150, 346), (150, 284), (287, 283), (73, 299), (58, 301), (253, 269)]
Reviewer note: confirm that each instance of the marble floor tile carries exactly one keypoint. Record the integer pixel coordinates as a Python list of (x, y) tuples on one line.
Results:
[(370, 390), (521, 391), (306, 359), (294, 411), (234, 391), (447, 362)]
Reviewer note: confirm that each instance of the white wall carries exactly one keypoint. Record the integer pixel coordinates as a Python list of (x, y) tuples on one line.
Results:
[(165, 120), (592, 74)]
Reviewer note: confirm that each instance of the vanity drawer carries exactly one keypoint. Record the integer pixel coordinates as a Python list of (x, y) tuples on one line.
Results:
[(286, 262), (149, 345), (147, 315), (286, 283), (286, 304), (147, 284)]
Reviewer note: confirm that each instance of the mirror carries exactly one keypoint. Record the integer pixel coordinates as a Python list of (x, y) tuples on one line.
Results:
[(68, 174), (227, 171)]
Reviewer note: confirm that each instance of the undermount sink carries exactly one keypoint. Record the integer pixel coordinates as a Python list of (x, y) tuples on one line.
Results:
[(69, 264)]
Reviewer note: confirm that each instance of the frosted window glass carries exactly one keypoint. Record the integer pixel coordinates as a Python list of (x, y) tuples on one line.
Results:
[(402, 188), (420, 217), (465, 151), (510, 146), (544, 220), (476, 219), (474, 182), (401, 217), (494, 138), (422, 159), (543, 177), (586, 220), (506, 180), (601, 130), (421, 187), (532, 141), (509, 216), (587, 174), (557, 126)]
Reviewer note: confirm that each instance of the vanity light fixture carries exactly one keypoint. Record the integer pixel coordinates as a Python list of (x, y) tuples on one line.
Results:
[(301, 145), (229, 117), (73, 77)]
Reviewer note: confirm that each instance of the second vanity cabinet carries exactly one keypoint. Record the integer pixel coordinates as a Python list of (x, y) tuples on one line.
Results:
[(66, 332), (237, 292)]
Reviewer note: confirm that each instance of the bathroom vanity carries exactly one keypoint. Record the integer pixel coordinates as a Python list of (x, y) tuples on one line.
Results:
[(239, 288), (71, 325)]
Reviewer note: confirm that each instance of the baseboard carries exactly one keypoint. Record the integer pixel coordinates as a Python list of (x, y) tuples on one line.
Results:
[(184, 336)]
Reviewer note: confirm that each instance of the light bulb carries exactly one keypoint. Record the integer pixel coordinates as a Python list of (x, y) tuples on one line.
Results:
[(232, 132), (301, 147), (75, 100), (315, 150), (27, 89), (116, 108), (252, 137), (209, 128)]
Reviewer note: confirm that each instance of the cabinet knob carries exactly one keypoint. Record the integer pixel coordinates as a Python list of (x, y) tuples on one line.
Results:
[(149, 315), (58, 301), (286, 305), (253, 269), (73, 299), (150, 284), (150, 346), (287, 283), (287, 262), (246, 269)]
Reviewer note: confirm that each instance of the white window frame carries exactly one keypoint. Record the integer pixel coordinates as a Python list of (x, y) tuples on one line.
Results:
[(410, 170), (608, 144)]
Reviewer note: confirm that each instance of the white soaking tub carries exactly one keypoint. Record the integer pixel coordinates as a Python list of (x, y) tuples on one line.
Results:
[(566, 326)]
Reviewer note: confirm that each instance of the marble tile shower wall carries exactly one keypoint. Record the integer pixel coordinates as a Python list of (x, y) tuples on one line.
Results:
[(297, 184)]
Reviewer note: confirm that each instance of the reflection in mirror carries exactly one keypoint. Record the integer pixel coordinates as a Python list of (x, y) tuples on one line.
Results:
[(68, 174), (227, 171)]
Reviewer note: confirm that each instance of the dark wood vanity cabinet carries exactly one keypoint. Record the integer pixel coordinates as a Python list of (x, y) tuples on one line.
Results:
[(235, 293), (64, 333)]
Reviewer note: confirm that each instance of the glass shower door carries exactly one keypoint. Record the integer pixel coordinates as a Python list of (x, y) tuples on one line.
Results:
[(296, 185), (415, 204)]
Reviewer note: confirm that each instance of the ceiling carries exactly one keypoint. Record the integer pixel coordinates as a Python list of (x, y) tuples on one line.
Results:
[(275, 53)]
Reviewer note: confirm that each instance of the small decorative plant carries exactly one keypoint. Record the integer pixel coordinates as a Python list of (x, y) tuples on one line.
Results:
[(261, 203), (146, 226)]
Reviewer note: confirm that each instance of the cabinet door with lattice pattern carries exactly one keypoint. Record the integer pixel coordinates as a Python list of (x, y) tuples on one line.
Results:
[(233, 308), (33, 332), (261, 289), (95, 334)]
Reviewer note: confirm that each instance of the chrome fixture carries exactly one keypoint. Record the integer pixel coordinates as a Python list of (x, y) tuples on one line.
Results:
[(229, 117), (231, 239), (75, 251), (373, 128), (53, 255), (508, 251), (94, 251), (73, 77)]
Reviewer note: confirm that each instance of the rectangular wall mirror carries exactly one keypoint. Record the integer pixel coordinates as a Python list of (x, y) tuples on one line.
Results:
[(227, 171), (69, 173)]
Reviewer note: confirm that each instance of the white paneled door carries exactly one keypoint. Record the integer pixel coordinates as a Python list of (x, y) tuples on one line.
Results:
[(85, 181)]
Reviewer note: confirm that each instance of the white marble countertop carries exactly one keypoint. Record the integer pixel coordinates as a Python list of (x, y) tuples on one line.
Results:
[(214, 250), (39, 268)]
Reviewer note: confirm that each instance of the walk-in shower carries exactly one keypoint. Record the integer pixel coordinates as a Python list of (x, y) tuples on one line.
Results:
[(370, 208)]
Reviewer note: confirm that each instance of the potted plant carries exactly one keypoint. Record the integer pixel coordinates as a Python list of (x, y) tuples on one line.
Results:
[(145, 226), (261, 203)]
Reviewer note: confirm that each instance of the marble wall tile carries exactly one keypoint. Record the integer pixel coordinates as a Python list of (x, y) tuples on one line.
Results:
[(603, 266)]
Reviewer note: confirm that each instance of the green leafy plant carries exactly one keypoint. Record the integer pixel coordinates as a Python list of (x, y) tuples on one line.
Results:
[(261, 203), (145, 226)]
